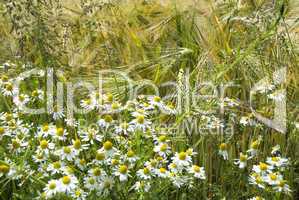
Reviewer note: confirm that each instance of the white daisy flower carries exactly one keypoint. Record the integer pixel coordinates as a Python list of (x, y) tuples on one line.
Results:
[(197, 171), (182, 159), (273, 178), (67, 184), (90, 135), (79, 194), (45, 146), (141, 186), (56, 167), (144, 173), (282, 187), (37, 95), (155, 101), (8, 89), (106, 186), (91, 183), (242, 161), (122, 172), (66, 153), (161, 172), (223, 151), (262, 168), (140, 123), (21, 100), (106, 121), (162, 149), (58, 113), (51, 188), (59, 134), (254, 148), (178, 181), (124, 128), (277, 161), (256, 179), (88, 104)]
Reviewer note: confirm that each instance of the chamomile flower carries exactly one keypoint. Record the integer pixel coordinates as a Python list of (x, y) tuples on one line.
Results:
[(144, 173), (178, 180), (108, 149), (45, 146), (58, 113), (155, 101), (88, 104), (182, 159), (81, 163), (96, 173), (122, 172), (162, 149), (277, 161), (51, 188), (197, 171), (273, 178), (254, 148), (124, 128), (78, 146), (256, 179), (21, 100), (141, 186), (59, 134), (223, 151), (282, 187), (37, 95), (91, 183), (106, 185), (162, 172), (140, 123), (8, 89), (66, 153), (131, 156), (45, 130), (79, 194), (67, 184), (106, 121), (4, 169), (56, 167), (242, 161), (262, 168), (90, 135)]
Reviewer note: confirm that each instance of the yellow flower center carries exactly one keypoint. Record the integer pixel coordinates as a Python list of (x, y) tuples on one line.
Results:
[(2, 130), (130, 154), (223, 146), (67, 150), (140, 119), (87, 101), (146, 170), (43, 144), (114, 162), (263, 166), (57, 165), (273, 177), (107, 184), (255, 145), (4, 169), (162, 170), (45, 128), (8, 117), (100, 156), (108, 118), (15, 144), (196, 168), (281, 183), (123, 169), (8, 87), (97, 171), (124, 125), (34, 93), (21, 98), (52, 186), (4, 78), (108, 145), (243, 157), (182, 156), (66, 180), (77, 144), (109, 97), (59, 132), (114, 106), (162, 138), (157, 99), (163, 147), (91, 181), (275, 159), (82, 162)]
